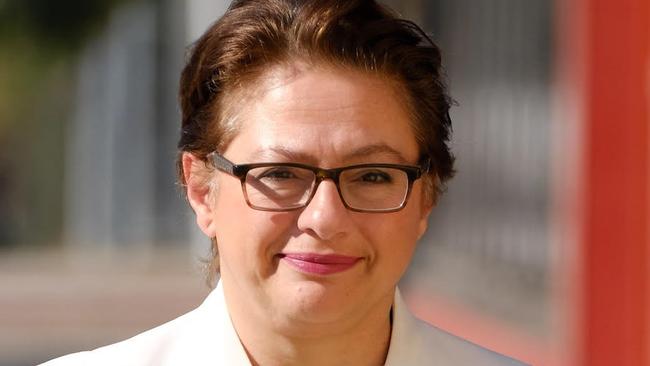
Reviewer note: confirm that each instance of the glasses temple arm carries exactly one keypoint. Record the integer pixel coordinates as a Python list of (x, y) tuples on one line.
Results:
[(223, 164), (425, 165)]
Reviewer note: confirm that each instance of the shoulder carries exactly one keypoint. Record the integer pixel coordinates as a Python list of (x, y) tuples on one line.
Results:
[(453, 350), (143, 349), (414, 342), (192, 339)]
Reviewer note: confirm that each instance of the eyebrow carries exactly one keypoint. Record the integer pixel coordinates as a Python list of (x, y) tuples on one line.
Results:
[(291, 155), (376, 149), (362, 152)]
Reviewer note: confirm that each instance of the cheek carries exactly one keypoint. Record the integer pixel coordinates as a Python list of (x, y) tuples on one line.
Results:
[(229, 209), (398, 233), (394, 238), (248, 238)]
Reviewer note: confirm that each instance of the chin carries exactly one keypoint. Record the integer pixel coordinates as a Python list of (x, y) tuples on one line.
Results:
[(310, 301)]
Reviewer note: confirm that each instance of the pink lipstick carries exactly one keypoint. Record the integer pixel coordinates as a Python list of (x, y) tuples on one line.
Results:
[(320, 264)]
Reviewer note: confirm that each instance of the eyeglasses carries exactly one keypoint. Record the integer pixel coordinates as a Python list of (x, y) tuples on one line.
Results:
[(373, 188)]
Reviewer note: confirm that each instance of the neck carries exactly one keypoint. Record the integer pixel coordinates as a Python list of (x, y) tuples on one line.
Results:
[(268, 340)]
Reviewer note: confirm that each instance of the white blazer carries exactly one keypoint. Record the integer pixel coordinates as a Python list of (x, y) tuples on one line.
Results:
[(205, 336)]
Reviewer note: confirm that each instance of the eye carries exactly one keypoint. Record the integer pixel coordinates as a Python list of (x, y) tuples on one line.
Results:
[(277, 174), (374, 176)]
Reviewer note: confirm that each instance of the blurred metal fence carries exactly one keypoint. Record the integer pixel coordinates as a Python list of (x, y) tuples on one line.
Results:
[(121, 145), (488, 240)]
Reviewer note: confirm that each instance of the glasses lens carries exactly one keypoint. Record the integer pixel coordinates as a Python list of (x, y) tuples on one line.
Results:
[(374, 188), (278, 187)]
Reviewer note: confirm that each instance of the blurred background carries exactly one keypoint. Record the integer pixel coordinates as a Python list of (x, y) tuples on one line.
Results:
[(523, 254)]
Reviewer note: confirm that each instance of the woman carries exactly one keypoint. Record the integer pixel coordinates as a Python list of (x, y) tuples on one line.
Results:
[(313, 148)]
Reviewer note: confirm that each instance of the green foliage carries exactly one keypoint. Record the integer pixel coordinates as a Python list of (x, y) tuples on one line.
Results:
[(62, 23)]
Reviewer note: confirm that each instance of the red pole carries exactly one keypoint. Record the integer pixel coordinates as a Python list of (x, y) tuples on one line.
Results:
[(615, 184)]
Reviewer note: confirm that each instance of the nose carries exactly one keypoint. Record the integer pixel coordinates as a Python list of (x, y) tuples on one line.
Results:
[(325, 216)]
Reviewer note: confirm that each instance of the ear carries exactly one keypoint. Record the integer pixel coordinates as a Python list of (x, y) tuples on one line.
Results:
[(424, 218), (197, 178), (427, 203)]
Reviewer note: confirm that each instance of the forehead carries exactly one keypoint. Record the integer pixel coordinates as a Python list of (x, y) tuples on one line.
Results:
[(324, 112)]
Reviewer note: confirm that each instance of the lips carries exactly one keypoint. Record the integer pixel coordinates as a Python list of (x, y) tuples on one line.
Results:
[(319, 264)]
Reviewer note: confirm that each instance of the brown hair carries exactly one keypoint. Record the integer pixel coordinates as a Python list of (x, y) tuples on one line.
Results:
[(255, 35)]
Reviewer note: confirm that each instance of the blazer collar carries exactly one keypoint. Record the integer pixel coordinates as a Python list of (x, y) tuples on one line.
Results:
[(404, 347), (210, 334)]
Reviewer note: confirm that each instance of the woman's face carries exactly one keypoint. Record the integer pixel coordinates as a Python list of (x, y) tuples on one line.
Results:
[(327, 118)]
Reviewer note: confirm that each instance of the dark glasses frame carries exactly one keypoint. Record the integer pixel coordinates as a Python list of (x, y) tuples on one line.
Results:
[(240, 171)]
